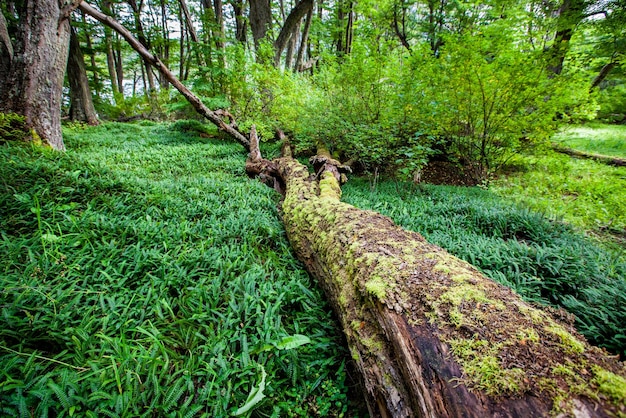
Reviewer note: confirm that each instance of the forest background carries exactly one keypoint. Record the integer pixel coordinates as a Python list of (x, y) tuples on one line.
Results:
[(385, 86)]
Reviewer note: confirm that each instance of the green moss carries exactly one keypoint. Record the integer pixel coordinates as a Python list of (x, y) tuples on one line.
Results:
[(528, 335), (329, 187), (483, 369), (610, 384), (569, 343), (377, 286)]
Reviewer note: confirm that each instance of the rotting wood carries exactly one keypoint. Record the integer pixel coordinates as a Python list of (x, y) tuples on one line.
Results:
[(429, 334)]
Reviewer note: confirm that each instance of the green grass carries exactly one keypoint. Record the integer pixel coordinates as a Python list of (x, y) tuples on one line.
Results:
[(545, 261), (585, 193), (595, 138), (143, 274)]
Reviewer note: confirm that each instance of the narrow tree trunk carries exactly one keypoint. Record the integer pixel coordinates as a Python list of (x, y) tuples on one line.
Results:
[(430, 335), (604, 72), (605, 159), (290, 28), (34, 85), (240, 21), (6, 54), (92, 57), (165, 33), (81, 102), (305, 41), (110, 54)]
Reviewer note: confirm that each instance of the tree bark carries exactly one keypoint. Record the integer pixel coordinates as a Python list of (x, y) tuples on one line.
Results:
[(241, 26), (81, 102), (604, 72), (429, 334), (108, 39), (6, 53), (34, 85), (305, 40), (260, 20), (570, 13), (154, 61), (290, 27)]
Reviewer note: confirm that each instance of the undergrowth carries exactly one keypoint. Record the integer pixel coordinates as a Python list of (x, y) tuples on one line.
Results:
[(143, 274), (545, 261), (596, 138), (585, 193)]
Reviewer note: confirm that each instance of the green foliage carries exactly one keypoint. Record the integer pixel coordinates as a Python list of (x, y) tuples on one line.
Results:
[(584, 193), (487, 100), (595, 138), (143, 274), (12, 127), (545, 261)]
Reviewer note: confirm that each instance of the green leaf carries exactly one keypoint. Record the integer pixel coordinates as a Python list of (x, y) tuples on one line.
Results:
[(293, 341), (256, 395)]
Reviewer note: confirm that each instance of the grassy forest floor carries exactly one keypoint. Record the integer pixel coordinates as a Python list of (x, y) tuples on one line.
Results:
[(143, 272)]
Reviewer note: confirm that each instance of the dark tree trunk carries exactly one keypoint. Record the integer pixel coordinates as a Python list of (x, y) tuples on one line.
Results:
[(430, 335), (569, 15), (290, 28), (81, 102), (6, 54), (240, 21), (35, 84), (260, 20)]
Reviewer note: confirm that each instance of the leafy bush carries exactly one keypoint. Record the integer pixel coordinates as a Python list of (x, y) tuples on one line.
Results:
[(142, 272), (544, 261)]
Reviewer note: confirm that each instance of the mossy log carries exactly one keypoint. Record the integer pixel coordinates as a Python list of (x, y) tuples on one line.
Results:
[(429, 334)]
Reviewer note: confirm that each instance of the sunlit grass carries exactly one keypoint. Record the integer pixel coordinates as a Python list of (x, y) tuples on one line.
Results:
[(585, 193), (595, 138)]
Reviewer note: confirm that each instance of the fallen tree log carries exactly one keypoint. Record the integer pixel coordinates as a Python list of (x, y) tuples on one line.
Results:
[(606, 159), (430, 335)]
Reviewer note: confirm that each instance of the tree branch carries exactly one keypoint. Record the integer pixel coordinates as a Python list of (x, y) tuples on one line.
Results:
[(153, 60)]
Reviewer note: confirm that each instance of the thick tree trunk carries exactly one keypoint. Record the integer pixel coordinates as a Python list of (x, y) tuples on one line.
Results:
[(429, 334), (81, 102), (34, 85), (260, 19)]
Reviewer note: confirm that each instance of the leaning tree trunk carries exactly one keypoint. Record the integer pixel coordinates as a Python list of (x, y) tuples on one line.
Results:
[(34, 85), (81, 102), (430, 335)]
